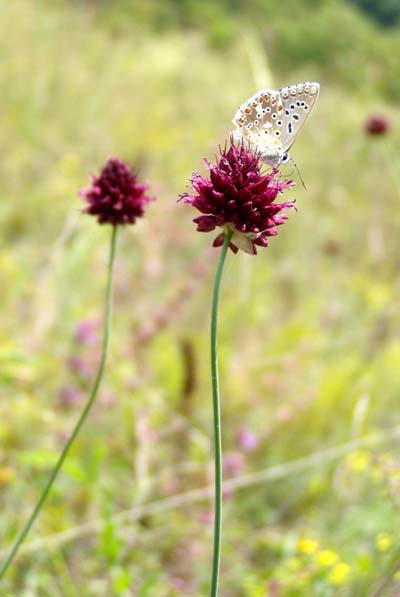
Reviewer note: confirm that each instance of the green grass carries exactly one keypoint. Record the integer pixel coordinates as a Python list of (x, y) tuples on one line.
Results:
[(309, 331)]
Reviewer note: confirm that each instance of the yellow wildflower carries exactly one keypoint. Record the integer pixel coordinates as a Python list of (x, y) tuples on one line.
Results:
[(327, 558), (8, 265), (339, 575), (383, 542), (358, 461), (307, 546), (7, 475)]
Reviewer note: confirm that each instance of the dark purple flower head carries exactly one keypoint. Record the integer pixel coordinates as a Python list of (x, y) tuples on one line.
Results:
[(237, 197), (377, 125), (115, 196)]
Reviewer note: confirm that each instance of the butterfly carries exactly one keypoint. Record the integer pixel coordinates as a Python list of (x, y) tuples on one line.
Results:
[(270, 120)]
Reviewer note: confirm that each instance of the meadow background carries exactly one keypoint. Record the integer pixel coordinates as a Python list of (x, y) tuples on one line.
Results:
[(309, 330)]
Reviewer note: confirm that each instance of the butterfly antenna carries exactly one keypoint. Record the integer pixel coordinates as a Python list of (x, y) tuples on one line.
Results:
[(300, 176)]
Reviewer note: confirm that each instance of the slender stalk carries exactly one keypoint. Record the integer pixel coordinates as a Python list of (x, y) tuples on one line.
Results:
[(106, 334), (217, 419)]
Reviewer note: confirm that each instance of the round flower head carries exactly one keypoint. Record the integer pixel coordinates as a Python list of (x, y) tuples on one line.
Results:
[(237, 197), (115, 196), (377, 125)]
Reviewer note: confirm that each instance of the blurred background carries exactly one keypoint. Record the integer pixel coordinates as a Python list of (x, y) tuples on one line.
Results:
[(309, 330)]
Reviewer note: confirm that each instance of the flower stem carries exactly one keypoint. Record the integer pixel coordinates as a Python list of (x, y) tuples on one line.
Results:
[(217, 418), (106, 334)]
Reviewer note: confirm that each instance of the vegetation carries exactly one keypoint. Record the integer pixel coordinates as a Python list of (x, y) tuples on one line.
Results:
[(309, 330), (386, 12)]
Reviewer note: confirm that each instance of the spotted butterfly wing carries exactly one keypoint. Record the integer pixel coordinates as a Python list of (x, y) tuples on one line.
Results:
[(259, 121), (270, 120), (298, 102)]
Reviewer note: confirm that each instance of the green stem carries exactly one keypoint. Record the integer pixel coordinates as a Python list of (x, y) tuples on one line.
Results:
[(217, 419), (106, 334)]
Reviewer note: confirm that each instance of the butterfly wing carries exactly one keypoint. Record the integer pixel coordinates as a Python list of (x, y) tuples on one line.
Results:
[(260, 122), (270, 120), (298, 102)]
